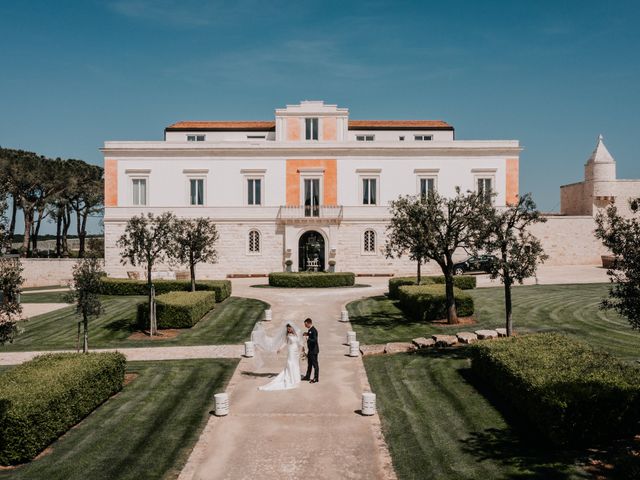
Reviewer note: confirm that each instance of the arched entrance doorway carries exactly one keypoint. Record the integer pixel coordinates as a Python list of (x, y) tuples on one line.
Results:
[(311, 252)]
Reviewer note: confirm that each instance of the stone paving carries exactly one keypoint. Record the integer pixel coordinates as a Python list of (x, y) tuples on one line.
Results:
[(311, 432)]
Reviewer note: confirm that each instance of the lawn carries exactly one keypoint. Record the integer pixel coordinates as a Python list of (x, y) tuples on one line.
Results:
[(439, 426), (144, 432), (230, 322), (571, 309), (44, 297)]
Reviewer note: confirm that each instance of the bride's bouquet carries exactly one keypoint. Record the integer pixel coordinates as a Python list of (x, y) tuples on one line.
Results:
[(303, 354)]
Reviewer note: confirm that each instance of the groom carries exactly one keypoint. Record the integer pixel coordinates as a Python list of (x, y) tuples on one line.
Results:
[(312, 350)]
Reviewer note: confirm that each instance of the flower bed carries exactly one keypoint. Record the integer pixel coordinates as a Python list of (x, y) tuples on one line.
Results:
[(567, 391), (43, 398), (125, 286), (178, 309), (463, 282), (311, 279), (429, 302)]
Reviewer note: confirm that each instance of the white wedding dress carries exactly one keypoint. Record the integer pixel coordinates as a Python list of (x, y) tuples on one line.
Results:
[(290, 376)]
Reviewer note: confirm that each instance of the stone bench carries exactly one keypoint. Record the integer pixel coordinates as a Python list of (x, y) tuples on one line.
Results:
[(486, 334), (467, 337)]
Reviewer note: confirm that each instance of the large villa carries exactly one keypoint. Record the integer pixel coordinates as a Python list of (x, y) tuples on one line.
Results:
[(308, 190)]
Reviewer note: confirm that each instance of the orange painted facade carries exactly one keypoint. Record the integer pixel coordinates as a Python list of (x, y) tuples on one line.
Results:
[(110, 182), (293, 129), (330, 180), (512, 188), (329, 129)]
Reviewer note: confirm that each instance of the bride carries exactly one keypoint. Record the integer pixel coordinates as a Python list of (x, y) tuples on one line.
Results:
[(290, 338)]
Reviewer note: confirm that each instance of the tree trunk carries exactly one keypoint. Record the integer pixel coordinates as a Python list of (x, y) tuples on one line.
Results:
[(507, 305), (85, 345), (78, 227), (66, 223), (28, 220), (82, 234), (12, 224), (192, 269), (36, 231), (150, 299), (419, 272), (58, 233), (452, 313), (78, 339)]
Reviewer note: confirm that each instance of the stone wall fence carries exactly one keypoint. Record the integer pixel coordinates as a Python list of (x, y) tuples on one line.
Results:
[(40, 272)]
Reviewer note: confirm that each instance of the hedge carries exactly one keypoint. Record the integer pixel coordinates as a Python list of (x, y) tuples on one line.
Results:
[(566, 390), (178, 309), (463, 282), (312, 279), (125, 286), (43, 398), (429, 302)]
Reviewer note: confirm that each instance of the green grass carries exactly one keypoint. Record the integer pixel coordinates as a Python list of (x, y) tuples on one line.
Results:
[(571, 309), (144, 432), (45, 297), (439, 426), (230, 322)]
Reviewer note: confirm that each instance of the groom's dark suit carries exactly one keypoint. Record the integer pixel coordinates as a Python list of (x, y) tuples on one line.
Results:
[(312, 353)]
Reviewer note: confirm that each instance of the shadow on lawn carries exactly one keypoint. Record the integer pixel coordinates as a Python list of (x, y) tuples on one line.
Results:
[(518, 445), (382, 319)]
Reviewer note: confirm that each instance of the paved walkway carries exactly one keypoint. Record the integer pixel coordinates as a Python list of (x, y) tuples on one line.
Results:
[(143, 353), (312, 432)]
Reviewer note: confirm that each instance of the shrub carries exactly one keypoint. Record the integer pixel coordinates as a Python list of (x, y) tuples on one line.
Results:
[(178, 309), (125, 286), (43, 398), (429, 302), (463, 282), (566, 390), (311, 279)]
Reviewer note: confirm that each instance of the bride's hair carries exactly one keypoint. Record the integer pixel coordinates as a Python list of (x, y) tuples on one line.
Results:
[(290, 328)]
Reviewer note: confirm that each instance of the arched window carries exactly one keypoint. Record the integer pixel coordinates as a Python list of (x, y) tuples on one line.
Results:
[(369, 241), (254, 241)]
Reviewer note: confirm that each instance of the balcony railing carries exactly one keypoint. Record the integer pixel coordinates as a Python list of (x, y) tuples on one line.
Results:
[(310, 213)]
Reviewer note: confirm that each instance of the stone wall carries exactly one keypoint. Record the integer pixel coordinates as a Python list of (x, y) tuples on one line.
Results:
[(570, 240), (40, 272), (574, 200)]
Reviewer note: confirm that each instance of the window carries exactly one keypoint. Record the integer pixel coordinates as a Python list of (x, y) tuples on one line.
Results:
[(196, 191), (422, 138), (369, 242), (427, 186), (311, 128), (139, 191), (401, 138), (254, 241), (256, 137), (195, 138), (369, 191), (485, 188), (254, 191), (364, 138)]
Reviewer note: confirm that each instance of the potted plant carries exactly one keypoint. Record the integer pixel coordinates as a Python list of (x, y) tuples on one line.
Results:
[(288, 264), (332, 265)]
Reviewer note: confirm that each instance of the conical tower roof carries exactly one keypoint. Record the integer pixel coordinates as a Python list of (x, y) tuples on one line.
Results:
[(601, 154)]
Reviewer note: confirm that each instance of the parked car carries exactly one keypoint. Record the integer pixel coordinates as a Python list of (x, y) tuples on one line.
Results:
[(480, 263)]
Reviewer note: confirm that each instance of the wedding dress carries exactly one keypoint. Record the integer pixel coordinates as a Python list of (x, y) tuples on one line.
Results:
[(289, 377)]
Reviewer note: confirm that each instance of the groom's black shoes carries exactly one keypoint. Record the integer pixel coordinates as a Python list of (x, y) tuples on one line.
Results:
[(314, 381), (305, 379)]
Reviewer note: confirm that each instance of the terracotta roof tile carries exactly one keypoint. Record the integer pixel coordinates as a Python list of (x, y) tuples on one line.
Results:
[(204, 125), (270, 126), (397, 124)]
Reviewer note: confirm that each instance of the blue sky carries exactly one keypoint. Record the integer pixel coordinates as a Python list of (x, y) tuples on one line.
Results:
[(553, 74)]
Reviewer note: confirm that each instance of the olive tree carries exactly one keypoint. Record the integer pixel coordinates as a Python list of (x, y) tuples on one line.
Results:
[(145, 242), (85, 293), (406, 234), (518, 252), (10, 308), (194, 241), (622, 237)]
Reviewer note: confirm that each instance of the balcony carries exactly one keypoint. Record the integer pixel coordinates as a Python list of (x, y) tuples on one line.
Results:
[(328, 214)]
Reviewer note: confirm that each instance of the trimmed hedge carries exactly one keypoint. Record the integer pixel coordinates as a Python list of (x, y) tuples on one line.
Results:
[(429, 302), (178, 309), (43, 398), (463, 282), (566, 390), (125, 286), (312, 279)]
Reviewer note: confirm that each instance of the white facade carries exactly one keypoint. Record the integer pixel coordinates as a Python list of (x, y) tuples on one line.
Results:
[(258, 176)]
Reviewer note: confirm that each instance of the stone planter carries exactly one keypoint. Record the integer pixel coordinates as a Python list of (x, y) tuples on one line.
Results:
[(351, 337), (249, 349), (354, 349), (608, 260), (368, 403)]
